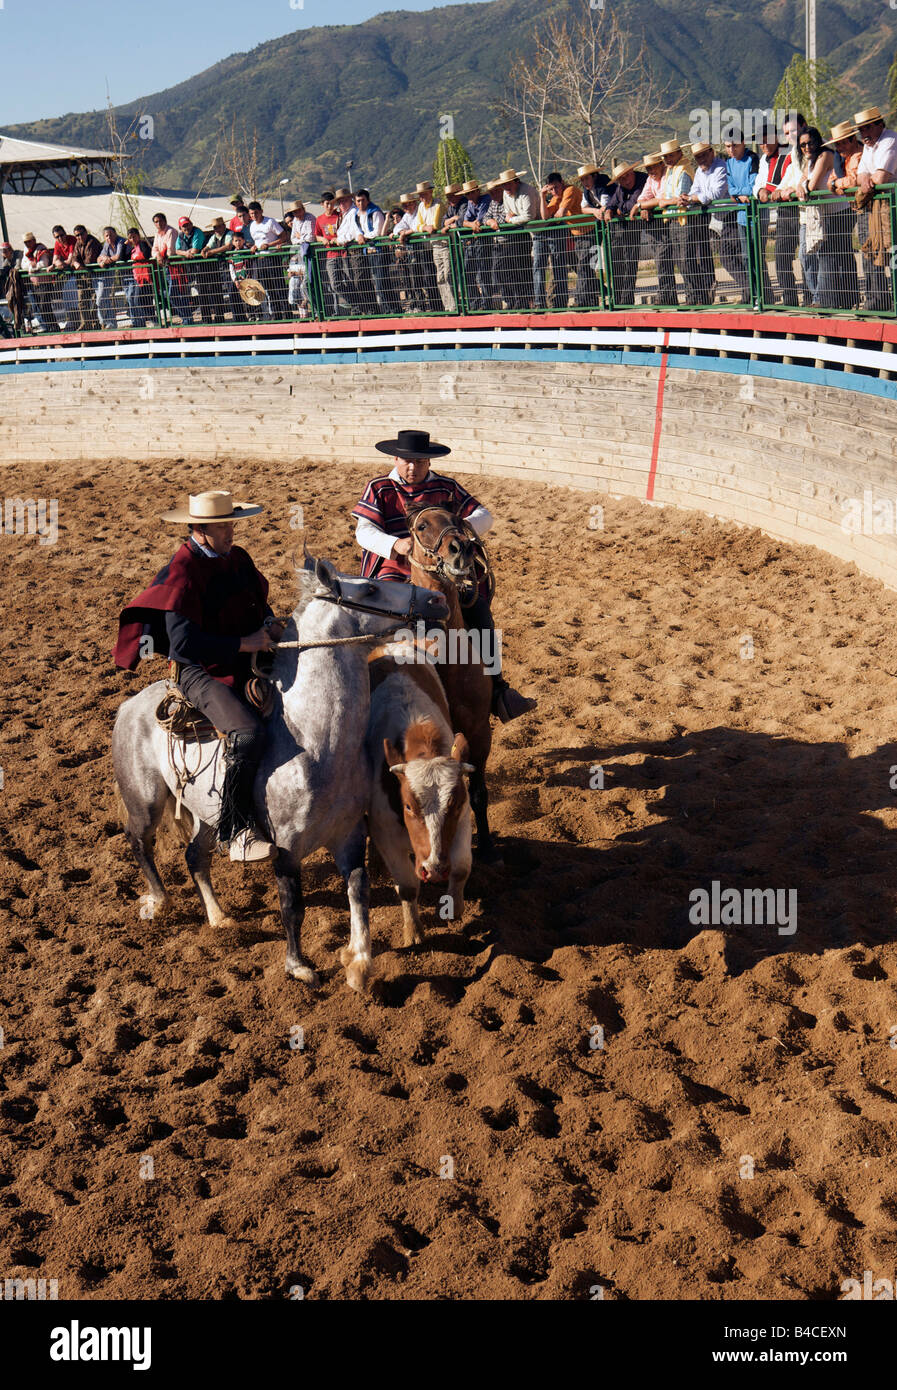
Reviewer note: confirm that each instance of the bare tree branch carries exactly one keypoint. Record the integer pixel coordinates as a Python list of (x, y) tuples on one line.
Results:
[(588, 91)]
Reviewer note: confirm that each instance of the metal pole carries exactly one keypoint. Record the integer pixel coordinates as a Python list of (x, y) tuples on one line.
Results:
[(349, 165), (811, 55), (3, 227)]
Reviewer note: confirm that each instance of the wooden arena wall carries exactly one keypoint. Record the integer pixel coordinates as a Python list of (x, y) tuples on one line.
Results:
[(788, 431)]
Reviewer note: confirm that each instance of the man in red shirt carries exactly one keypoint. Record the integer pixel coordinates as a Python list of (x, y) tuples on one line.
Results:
[(326, 228)]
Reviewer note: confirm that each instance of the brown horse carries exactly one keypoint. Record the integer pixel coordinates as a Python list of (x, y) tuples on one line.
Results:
[(448, 556)]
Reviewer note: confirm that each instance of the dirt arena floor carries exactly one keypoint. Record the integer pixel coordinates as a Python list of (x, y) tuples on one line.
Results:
[(727, 1050)]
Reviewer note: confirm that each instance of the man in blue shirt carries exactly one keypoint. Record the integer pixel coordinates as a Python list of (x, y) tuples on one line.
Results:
[(741, 171), (477, 248), (113, 252), (189, 242)]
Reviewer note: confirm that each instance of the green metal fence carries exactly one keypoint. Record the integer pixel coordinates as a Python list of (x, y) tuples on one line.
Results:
[(821, 256)]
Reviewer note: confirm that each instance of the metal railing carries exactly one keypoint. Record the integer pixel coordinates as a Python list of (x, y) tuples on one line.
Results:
[(820, 256)]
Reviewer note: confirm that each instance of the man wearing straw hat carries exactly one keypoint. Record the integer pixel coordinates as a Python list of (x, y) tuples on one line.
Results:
[(426, 222), (596, 187), (878, 166), (513, 265), (208, 611), (455, 204), (708, 186), (657, 231), (477, 247), (625, 234)]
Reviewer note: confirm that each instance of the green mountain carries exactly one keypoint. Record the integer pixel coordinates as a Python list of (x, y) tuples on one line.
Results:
[(376, 92)]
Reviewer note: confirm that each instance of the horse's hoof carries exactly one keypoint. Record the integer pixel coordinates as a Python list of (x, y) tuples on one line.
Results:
[(413, 938), (224, 923), (358, 974), (297, 971)]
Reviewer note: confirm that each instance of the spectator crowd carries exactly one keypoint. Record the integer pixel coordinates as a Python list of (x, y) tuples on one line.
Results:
[(685, 209)]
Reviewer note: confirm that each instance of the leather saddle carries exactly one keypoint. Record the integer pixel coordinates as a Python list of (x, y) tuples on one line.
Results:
[(179, 718)]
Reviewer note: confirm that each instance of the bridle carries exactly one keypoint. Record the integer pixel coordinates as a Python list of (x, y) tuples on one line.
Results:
[(466, 581), (339, 600)]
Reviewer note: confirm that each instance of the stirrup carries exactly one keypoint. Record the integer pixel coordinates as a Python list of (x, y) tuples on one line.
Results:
[(247, 848)]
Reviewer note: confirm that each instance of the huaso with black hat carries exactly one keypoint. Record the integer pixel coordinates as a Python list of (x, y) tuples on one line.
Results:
[(383, 534)]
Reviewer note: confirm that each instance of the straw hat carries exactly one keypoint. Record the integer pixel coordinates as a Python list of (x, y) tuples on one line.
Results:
[(650, 160), (619, 170), (671, 147), (408, 198), (470, 187), (425, 187), (251, 292), (509, 175), (412, 444), (207, 507), (868, 116), (218, 222), (342, 193), (451, 188), (588, 169), (29, 236), (297, 207), (841, 131), (701, 146)]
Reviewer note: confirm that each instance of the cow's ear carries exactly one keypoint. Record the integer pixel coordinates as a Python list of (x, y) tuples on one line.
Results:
[(393, 757), (460, 749)]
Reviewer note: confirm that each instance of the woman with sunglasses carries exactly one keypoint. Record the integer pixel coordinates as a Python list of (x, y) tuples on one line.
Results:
[(815, 167)]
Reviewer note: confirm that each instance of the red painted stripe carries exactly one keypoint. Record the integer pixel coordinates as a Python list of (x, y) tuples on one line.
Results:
[(666, 321), (658, 418)]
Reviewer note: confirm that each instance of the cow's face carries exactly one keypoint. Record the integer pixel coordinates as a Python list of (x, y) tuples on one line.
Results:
[(433, 800)]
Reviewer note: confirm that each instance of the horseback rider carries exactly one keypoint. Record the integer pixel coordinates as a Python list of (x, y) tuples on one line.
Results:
[(208, 610), (382, 532)]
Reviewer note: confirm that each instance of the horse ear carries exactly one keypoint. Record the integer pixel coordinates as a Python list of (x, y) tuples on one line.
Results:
[(460, 749), (324, 573), (308, 560), (393, 757)]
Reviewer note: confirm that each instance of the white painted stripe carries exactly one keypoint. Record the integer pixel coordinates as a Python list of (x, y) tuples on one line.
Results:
[(333, 341)]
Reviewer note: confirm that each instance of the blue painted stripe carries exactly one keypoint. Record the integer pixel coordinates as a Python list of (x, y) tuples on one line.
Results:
[(681, 361)]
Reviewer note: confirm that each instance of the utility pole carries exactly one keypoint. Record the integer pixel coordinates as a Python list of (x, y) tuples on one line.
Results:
[(811, 56)]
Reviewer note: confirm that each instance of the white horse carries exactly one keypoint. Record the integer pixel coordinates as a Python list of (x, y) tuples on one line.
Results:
[(314, 780)]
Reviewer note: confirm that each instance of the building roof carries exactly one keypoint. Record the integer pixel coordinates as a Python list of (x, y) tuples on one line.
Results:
[(14, 151)]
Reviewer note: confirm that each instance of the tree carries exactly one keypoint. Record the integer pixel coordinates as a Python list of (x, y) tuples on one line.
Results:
[(813, 89), (452, 163), (127, 178), (243, 166), (585, 94), (892, 91)]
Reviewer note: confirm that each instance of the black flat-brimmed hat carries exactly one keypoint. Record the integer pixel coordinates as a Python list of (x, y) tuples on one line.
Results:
[(413, 444)]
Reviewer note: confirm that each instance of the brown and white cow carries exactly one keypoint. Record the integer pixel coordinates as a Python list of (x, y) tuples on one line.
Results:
[(419, 817)]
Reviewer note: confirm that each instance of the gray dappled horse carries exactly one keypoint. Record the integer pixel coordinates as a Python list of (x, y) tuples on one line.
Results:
[(313, 783)]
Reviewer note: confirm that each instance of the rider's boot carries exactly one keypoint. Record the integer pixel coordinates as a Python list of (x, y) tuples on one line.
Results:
[(237, 824), (507, 703)]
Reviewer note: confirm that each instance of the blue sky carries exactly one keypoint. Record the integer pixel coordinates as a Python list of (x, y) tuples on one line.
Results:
[(58, 55)]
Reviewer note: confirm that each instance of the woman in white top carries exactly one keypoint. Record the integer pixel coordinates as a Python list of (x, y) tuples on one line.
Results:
[(816, 163), (302, 234)]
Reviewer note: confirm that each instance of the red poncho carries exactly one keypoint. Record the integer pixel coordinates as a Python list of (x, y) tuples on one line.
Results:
[(224, 595)]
